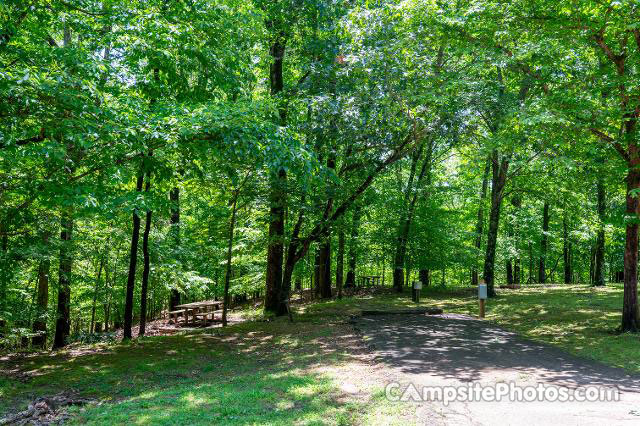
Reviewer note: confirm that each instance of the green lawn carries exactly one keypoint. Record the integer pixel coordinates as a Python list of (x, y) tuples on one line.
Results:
[(580, 319), (250, 373), (281, 373)]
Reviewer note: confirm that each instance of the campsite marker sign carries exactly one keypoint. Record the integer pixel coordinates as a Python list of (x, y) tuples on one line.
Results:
[(482, 296)]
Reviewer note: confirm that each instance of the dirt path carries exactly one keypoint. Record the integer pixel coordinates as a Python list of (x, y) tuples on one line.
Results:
[(460, 351)]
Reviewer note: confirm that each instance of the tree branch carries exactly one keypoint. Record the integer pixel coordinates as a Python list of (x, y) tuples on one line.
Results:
[(608, 139), (322, 227), (39, 138), (618, 60)]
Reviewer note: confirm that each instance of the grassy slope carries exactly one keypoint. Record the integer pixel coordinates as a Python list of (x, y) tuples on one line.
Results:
[(281, 373)]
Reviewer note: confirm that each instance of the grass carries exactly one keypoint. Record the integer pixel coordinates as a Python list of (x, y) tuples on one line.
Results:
[(281, 373), (250, 373)]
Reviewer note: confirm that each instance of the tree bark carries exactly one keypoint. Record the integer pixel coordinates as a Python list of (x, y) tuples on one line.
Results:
[(401, 244), (517, 203), (340, 263), (425, 277), (275, 249), (480, 221), (322, 228), (96, 289), (325, 246), (499, 176), (630, 315), (411, 198), (147, 265), (317, 266), (542, 274), (324, 255), (42, 300), (4, 278), (509, 267), (566, 251), (278, 196), (174, 198), (598, 278), (133, 261), (530, 280), (227, 276), (353, 248), (63, 320)]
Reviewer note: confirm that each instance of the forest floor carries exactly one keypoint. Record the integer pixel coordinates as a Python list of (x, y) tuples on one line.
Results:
[(318, 370)]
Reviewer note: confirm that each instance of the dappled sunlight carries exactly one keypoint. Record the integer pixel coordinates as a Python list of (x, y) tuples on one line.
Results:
[(194, 401), (308, 371), (443, 348)]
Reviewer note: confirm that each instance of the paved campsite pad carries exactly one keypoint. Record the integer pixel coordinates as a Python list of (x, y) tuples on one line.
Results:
[(457, 350)]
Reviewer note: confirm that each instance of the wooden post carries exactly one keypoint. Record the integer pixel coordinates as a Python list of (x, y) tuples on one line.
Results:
[(416, 289), (482, 296)]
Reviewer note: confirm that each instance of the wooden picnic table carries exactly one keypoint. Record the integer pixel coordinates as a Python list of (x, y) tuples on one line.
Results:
[(204, 307), (369, 279)]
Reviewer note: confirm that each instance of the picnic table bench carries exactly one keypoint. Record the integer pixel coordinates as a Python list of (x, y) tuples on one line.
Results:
[(199, 310), (369, 279), (174, 314)]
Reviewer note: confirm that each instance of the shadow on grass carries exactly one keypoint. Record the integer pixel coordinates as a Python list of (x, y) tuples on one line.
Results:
[(249, 373)]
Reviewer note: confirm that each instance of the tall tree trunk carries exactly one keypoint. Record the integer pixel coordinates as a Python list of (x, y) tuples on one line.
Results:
[(509, 261), (509, 267), (325, 245), (630, 314), (4, 278), (542, 274), (133, 262), (517, 203), (227, 276), (42, 300), (174, 198), (411, 199), (147, 265), (353, 248), (63, 320), (317, 271), (275, 249), (566, 251), (499, 168), (322, 229), (480, 221), (424, 277), (325, 268), (96, 289), (340, 263), (530, 280), (401, 245), (599, 260), (278, 196)]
